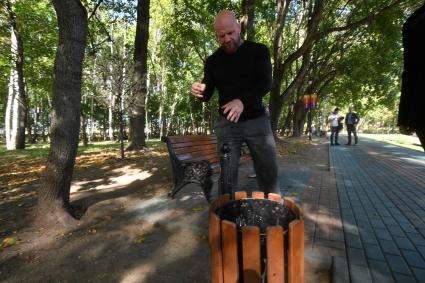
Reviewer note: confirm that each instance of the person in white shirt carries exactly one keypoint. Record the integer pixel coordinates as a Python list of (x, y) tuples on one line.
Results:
[(334, 119)]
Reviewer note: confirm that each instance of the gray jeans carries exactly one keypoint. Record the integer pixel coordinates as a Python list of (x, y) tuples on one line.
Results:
[(257, 134)]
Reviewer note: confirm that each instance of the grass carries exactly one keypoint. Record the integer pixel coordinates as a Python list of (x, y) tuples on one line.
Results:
[(19, 167), (42, 150), (411, 142)]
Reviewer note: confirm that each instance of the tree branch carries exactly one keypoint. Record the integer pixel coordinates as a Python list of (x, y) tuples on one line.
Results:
[(353, 25), (95, 9)]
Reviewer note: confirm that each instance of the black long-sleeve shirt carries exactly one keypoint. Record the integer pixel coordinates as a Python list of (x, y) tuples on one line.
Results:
[(245, 75)]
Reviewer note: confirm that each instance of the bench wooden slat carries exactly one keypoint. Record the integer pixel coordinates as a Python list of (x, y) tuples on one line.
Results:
[(197, 153), (176, 139), (206, 147), (191, 157), (192, 143)]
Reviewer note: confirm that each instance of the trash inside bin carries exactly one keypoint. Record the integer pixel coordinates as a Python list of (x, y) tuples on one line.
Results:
[(256, 212)]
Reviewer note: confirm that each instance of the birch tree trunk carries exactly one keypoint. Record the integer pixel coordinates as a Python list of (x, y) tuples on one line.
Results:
[(16, 111), (111, 97)]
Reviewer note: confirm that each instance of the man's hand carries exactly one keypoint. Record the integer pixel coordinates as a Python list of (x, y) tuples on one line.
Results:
[(233, 109), (198, 89)]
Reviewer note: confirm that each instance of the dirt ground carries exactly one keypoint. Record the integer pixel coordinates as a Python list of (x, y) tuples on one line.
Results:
[(131, 231)]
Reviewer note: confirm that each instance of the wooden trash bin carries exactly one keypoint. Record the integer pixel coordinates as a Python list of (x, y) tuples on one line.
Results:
[(240, 253)]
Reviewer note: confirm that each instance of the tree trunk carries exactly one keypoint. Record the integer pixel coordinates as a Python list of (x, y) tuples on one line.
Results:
[(34, 122), (54, 194), (43, 120), (84, 130), (299, 118), (287, 124), (141, 69), (172, 111), (18, 110), (9, 114), (247, 21), (111, 102)]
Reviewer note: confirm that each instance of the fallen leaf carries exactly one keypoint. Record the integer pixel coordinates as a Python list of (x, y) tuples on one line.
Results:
[(139, 239), (198, 208), (107, 218), (8, 242)]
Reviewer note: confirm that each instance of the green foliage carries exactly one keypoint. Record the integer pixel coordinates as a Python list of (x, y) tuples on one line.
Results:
[(360, 66)]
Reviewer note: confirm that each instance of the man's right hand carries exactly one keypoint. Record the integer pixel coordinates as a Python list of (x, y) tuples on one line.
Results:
[(198, 89)]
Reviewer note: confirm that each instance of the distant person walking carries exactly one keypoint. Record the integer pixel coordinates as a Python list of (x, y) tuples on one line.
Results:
[(410, 115), (334, 119), (351, 121)]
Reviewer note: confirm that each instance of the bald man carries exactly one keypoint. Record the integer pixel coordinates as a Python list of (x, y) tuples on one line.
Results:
[(241, 72)]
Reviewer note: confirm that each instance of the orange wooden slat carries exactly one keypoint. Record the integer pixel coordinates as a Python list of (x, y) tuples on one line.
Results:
[(258, 195), (296, 252), (251, 254), (195, 148), (274, 197), (216, 259), (224, 199), (193, 143), (214, 205), (229, 247), (176, 139), (240, 195), (289, 202), (275, 255), (296, 210)]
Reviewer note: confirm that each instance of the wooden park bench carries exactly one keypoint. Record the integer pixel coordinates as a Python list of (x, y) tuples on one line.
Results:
[(194, 159)]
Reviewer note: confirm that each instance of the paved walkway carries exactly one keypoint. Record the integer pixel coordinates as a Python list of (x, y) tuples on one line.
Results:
[(373, 220), (364, 206)]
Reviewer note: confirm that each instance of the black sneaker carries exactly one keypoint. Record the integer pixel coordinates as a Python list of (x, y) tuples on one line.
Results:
[(348, 144), (337, 143)]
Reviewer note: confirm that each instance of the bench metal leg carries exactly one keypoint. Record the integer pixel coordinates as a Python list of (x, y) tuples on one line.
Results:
[(198, 172)]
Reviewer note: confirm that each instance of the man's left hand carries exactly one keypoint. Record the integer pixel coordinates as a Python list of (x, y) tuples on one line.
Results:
[(233, 109)]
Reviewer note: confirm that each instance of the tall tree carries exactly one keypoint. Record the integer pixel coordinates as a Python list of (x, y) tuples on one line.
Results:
[(138, 107), (313, 20), (16, 110), (53, 195)]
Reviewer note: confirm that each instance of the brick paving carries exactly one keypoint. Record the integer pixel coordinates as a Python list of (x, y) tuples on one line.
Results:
[(364, 206), (381, 193)]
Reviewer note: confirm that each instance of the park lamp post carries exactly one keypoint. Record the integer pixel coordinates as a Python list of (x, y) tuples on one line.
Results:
[(310, 102)]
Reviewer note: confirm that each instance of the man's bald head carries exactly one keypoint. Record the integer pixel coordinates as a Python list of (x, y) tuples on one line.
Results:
[(225, 18), (227, 31)]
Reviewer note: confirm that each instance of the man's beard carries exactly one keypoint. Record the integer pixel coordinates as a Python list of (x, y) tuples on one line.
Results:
[(232, 46)]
